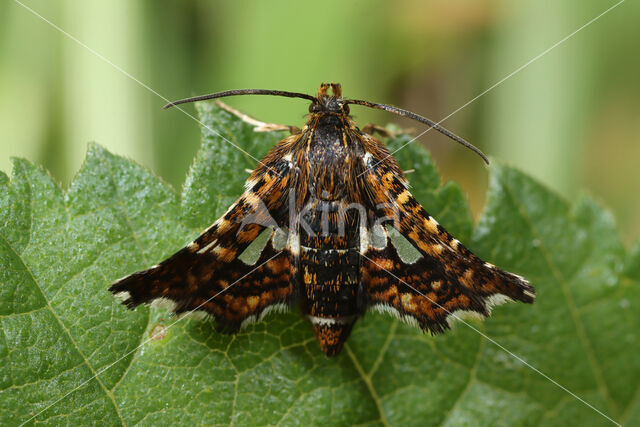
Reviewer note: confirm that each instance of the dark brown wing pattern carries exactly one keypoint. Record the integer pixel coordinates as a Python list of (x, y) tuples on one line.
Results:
[(207, 274), (447, 282), (335, 273)]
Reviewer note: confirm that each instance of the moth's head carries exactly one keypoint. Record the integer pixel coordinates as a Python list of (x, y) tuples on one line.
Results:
[(329, 103)]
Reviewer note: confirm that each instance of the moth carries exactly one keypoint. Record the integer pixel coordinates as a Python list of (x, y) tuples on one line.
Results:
[(329, 194)]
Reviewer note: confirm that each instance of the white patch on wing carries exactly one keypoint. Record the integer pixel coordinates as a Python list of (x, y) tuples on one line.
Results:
[(252, 252), (367, 159), (490, 302), (164, 303), (122, 295), (248, 184), (280, 238), (364, 238), (530, 294), (407, 252), (463, 315), (294, 243), (497, 299), (289, 159), (249, 321), (387, 309), (273, 308), (378, 237), (206, 248)]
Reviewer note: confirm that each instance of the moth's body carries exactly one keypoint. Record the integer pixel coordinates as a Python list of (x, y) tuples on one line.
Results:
[(328, 265), (327, 186)]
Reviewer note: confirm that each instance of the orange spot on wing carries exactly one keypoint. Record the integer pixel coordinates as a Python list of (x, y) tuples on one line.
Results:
[(431, 225), (467, 278), (252, 302), (403, 197), (384, 263)]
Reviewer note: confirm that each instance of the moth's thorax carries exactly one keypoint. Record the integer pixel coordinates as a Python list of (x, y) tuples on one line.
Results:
[(331, 155)]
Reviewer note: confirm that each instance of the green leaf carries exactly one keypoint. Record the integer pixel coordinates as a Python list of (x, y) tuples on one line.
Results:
[(70, 353)]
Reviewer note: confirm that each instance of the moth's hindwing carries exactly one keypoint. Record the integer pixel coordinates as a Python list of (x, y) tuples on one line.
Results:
[(446, 282)]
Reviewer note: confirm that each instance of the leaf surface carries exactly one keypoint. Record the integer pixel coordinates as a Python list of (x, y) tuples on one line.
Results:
[(70, 353)]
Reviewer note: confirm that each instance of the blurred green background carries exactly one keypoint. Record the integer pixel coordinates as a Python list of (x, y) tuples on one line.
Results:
[(570, 118)]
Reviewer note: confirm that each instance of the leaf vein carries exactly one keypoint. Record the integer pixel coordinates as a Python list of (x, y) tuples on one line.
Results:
[(573, 310)]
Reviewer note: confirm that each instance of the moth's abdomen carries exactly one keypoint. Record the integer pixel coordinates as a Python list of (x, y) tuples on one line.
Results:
[(330, 279), (329, 272)]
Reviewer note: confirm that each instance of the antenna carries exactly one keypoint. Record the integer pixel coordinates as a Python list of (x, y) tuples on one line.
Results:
[(390, 108), (241, 92), (414, 116)]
